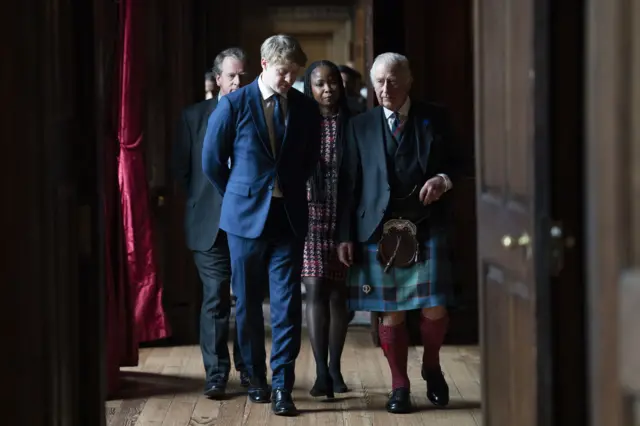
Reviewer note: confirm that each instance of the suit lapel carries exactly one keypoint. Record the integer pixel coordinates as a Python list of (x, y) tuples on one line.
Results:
[(377, 134), (257, 113)]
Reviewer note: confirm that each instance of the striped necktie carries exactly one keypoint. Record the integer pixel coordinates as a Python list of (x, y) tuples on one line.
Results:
[(397, 126)]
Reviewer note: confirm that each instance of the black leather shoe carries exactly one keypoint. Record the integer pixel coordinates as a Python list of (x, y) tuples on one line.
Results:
[(437, 388), (215, 389), (399, 401), (259, 392), (245, 380), (282, 404)]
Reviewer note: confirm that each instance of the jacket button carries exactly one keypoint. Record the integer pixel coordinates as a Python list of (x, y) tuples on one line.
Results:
[(270, 186)]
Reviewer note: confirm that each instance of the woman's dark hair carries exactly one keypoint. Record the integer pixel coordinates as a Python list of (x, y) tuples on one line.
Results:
[(316, 183)]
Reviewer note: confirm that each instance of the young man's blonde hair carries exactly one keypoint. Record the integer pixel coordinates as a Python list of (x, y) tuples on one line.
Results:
[(283, 49)]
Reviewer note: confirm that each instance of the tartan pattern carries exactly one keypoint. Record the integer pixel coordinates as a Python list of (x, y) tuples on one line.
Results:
[(426, 284)]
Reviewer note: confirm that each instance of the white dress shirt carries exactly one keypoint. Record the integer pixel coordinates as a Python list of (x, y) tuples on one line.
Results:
[(403, 113)]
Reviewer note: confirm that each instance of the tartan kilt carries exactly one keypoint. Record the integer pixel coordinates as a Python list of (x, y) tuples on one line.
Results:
[(426, 284)]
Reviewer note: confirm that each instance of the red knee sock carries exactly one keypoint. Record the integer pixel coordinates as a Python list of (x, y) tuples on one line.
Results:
[(394, 340), (433, 333)]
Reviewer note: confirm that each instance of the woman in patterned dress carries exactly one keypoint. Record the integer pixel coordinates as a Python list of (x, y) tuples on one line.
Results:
[(323, 275)]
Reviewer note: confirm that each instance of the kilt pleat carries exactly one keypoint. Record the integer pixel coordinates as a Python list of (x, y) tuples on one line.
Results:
[(426, 284)]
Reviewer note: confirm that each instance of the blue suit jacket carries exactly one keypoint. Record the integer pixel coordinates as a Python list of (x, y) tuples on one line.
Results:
[(237, 130)]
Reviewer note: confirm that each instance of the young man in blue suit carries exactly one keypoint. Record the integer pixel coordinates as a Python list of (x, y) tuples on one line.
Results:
[(272, 136)]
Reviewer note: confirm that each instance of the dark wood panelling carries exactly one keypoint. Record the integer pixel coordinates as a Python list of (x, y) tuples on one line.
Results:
[(438, 42), (51, 304), (171, 86)]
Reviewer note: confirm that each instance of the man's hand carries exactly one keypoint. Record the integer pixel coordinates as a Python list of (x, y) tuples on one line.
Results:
[(345, 253), (432, 190)]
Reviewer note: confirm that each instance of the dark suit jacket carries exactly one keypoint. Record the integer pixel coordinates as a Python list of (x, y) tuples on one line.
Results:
[(237, 129), (364, 190), (202, 213), (357, 105)]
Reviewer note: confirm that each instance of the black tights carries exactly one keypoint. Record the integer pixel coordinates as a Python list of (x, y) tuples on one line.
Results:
[(327, 321)]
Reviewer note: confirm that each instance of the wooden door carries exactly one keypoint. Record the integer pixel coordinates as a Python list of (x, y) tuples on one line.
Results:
[(613, 210), (316, 46), (511, 172)]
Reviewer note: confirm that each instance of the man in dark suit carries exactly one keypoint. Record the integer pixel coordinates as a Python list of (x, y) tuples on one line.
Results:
[(393, 223), (272, 135), (204, 238)]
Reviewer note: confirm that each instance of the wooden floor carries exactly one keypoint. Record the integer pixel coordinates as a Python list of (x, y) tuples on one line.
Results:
[(165, 389)]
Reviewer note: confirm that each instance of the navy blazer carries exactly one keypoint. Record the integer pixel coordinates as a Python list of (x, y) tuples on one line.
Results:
[(237, 130)]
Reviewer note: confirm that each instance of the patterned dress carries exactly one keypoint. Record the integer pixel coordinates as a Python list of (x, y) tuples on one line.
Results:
[(320, 255)]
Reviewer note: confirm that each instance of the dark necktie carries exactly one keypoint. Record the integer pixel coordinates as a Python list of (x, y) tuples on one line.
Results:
[(278, 123), (396, 126)]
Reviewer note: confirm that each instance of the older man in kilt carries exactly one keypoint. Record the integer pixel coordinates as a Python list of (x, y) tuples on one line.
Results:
[(393, 226)]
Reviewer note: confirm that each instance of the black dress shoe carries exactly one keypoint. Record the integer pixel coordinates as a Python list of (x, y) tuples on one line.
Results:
[(215, 389), (282, 404), (437, 388), (399, 401), (259, 392), (245, 380)]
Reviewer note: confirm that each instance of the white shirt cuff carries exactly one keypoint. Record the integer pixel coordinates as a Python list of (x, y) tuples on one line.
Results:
[(447, 182)]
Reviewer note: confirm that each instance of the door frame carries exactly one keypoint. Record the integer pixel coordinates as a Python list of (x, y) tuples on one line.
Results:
[(542, 193), (610, 229)]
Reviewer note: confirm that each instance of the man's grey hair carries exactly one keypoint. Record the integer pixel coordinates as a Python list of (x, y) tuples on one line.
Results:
[(232, 52), (283, 49), (390, 60)]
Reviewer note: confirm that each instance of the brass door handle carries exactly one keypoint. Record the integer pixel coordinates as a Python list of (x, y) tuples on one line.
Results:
[(510, 242)]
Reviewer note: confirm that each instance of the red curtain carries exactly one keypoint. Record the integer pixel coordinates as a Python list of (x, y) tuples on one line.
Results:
[(134, 292), (122, 346)]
